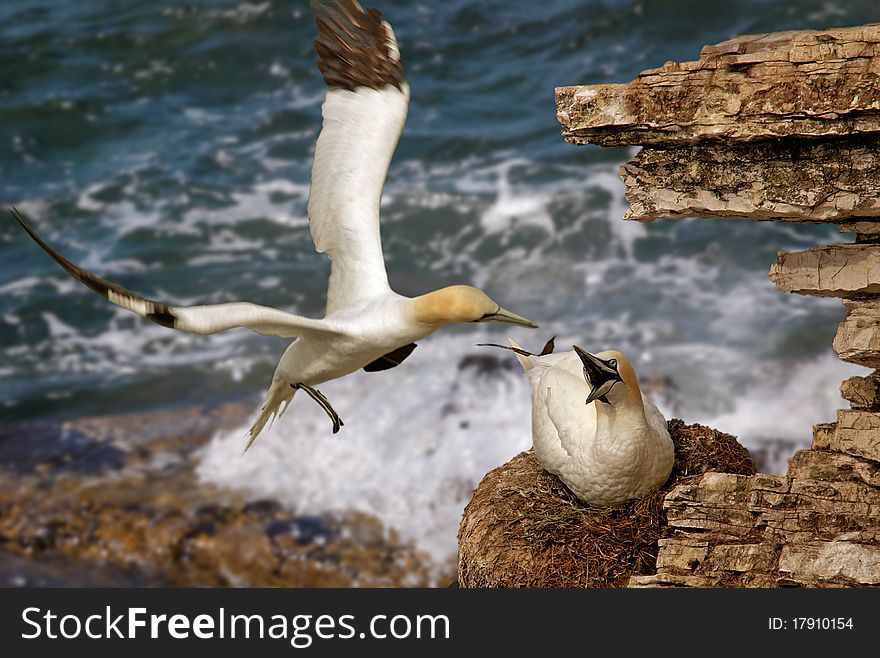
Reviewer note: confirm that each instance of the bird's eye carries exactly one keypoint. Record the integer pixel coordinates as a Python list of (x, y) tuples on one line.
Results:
[(613, 364)]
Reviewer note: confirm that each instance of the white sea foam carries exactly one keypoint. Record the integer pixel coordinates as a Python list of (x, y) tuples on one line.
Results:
[(241, 13), (58, 330), (512, 206), (22, 286), (417, 440), (627, 232), (278, 200), (786, 404)]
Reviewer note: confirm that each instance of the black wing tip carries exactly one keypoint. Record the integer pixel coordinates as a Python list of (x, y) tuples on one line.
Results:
[(354, 48), (549, 346), (31, 231), (158, 312), (94, 282), (19, 217), (162, 315)]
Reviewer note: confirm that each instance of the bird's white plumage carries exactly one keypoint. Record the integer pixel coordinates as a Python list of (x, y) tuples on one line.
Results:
[(606, 455), (366, 323), (359, 136), (262, 319)]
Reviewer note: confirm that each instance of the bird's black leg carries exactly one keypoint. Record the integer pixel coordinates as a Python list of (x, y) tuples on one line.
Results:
[(318, 397)]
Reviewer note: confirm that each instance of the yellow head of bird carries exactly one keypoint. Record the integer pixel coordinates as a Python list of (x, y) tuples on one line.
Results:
[(610, 375), (463, 304)]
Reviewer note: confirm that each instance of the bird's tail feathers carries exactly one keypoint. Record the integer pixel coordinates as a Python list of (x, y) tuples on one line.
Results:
[(522, 356), (278, 399)]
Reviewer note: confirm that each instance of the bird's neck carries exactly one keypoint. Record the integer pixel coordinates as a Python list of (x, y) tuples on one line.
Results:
[(433, 308), (626, 404)]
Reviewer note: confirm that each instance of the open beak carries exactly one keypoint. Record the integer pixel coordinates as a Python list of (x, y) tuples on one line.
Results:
[(600, 377), (508, 317)]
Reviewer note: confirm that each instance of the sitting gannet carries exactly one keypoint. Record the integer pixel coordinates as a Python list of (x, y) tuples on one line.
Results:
[(606, 441), (366, 324)]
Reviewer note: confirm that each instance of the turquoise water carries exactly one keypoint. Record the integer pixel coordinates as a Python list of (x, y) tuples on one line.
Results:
[(167, 146)]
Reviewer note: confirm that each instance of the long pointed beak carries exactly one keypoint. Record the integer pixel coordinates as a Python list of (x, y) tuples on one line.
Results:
[(509, 317), (597, 373), (591, 363)]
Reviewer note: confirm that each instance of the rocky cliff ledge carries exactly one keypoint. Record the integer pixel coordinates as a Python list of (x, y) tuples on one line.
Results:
[(782, 127), (785, 127)]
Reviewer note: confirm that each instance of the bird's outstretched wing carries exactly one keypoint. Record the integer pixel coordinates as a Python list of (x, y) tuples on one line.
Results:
[(364, 112), (195, 319)]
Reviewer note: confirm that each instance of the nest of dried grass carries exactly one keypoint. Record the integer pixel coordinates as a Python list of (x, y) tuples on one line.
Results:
[(524, 528)]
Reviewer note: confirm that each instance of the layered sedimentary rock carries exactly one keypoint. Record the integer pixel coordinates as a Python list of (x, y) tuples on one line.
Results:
[(858, 336), (787, 84), (817, 526), (862, 392), (778, 126), (839, 270), (823, 180)]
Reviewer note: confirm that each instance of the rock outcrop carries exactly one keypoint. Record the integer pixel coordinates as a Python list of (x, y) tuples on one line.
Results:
[(769, 127), (116, 501), (778, 126), (786, 84), (817, 526)]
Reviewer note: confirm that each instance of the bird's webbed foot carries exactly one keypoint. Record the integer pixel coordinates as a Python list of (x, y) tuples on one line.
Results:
[(318, 397)]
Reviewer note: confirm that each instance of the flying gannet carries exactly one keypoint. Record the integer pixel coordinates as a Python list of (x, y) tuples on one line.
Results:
[(366, 324), (607, 442)]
